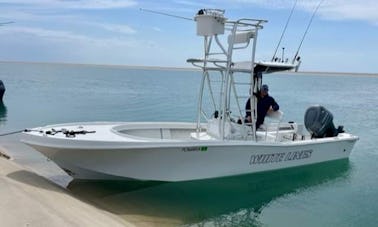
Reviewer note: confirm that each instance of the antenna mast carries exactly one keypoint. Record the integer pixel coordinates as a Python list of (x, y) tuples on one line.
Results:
[(4, 23), (165, 14)]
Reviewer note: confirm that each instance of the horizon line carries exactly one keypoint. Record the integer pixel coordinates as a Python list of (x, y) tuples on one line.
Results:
[(146, 67)]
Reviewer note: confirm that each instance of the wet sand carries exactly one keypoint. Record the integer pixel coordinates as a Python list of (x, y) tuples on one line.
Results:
[(35, 192), (28, 199)]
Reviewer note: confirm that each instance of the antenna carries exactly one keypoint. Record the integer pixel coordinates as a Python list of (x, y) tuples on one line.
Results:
[(283, 32), (308, 26), (165, 14), (4, 23)]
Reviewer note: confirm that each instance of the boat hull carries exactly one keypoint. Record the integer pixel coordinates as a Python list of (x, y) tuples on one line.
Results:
[(183, 161)]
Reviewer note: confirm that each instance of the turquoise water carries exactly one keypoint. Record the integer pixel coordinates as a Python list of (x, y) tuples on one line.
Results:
[(332, 194)]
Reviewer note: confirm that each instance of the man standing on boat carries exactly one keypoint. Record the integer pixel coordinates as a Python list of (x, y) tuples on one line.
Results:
[(265, 104)]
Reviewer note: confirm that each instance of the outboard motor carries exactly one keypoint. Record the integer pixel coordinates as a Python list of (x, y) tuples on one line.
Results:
[(319, 122), (2, 90)]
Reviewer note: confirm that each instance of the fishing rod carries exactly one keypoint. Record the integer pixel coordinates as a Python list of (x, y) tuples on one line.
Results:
[(165, 14), (308, 27), (18, 131), (284, 31)]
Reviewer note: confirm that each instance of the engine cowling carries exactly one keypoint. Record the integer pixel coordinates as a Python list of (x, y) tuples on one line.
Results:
[(319, 122)]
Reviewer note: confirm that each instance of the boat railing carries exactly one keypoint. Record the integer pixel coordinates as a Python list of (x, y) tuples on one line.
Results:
[(239, 35), (245, 24)]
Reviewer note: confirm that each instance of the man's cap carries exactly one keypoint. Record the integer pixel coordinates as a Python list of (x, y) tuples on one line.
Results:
[(265, 88)]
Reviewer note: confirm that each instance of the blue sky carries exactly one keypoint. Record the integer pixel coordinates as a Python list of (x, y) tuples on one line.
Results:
[(342, 38)]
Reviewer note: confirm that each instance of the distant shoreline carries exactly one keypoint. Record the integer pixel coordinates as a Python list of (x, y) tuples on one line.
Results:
[(170, 68), (319, 73), (107, 65)]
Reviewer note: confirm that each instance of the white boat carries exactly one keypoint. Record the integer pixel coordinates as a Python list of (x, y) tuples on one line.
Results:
[(217, 144)]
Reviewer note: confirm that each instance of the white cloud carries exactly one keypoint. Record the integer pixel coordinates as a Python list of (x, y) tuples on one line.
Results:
[(101, 4), (63, 36), (157, 29), (44, 33), (201, 4), (330, 9), (73, 4), (124, 29), (351, 10), (49, 45)]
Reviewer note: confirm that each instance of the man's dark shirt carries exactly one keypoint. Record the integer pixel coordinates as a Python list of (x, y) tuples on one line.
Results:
[(263, 105)]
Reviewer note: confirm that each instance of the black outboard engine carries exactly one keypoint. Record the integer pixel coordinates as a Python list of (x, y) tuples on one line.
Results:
[(319, 122)]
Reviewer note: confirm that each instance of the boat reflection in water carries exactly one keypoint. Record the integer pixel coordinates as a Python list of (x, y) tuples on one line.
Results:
[(207, 201)]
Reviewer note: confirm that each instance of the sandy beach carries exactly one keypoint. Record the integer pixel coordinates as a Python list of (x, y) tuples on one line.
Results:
[(28, 199), (33, 192)]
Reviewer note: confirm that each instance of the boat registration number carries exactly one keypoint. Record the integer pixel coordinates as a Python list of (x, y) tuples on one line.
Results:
[(194, 149)]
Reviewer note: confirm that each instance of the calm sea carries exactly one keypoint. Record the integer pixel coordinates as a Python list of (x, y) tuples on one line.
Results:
[(343, 193)]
